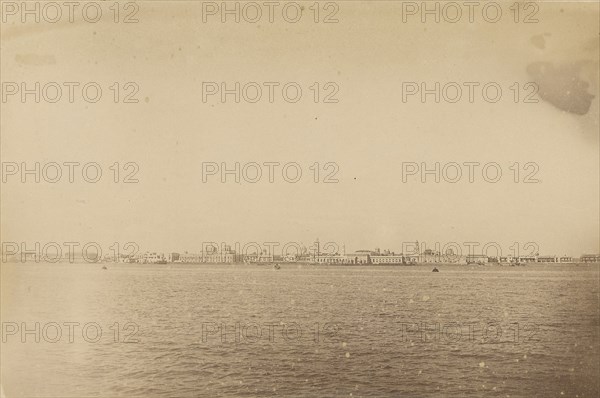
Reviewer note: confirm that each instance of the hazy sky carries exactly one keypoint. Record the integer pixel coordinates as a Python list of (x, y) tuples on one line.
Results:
[(369, 133)]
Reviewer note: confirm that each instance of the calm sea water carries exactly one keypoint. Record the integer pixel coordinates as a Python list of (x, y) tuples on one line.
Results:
[(303, 331)]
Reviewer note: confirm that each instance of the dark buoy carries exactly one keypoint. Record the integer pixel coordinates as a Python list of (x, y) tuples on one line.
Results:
[(435, 270)]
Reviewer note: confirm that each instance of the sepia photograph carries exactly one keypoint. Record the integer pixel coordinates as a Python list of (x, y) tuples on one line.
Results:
[(346, 198)]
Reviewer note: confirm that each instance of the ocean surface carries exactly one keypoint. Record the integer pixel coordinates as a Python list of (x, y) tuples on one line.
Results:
[(212, 330)]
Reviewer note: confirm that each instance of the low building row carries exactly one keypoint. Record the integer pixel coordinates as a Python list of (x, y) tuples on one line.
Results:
[(359, 257)]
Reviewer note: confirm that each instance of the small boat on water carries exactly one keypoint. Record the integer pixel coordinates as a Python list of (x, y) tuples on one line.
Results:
[(435, 269), (276, 266), (104, 267)]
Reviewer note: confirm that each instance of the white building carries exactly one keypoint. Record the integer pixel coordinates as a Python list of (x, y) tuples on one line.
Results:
[(331, 259), (547, 259), (189, 258), (390, 259), (477, 259)]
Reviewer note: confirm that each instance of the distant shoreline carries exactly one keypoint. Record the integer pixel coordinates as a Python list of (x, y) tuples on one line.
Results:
[(291, 264)]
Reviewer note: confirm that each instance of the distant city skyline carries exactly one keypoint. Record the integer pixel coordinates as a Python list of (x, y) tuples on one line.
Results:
[(320, 247)]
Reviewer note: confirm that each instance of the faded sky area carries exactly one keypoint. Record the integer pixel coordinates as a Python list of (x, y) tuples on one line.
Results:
[(369, 133)]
